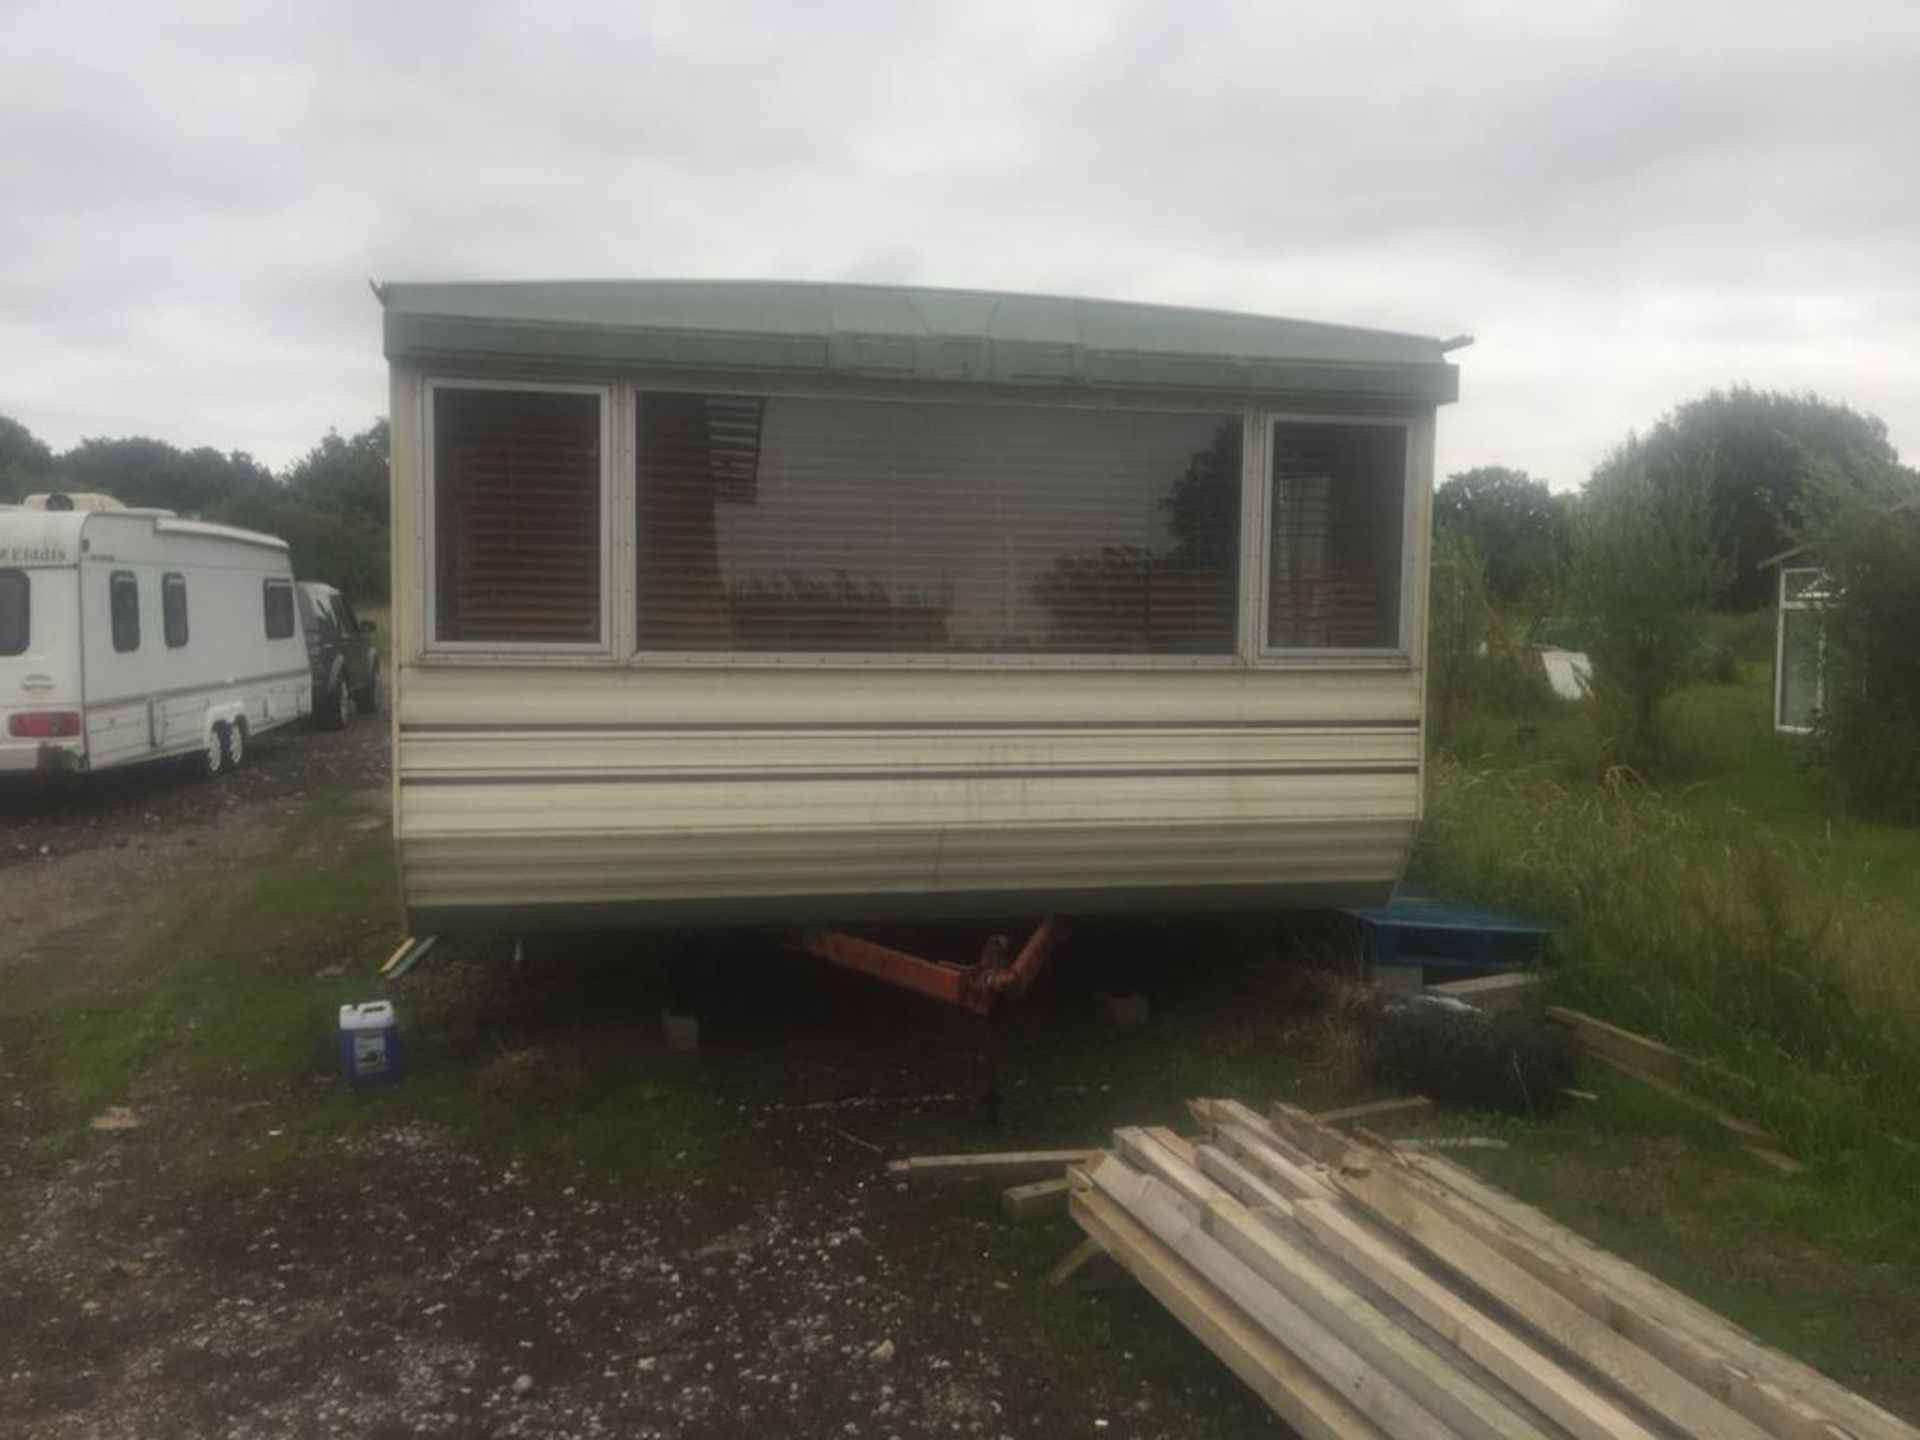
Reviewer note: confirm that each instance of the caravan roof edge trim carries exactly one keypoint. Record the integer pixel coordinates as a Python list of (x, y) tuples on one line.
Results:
[(867, 333)]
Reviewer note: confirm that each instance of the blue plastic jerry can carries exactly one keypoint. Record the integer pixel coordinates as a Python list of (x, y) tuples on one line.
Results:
[(370, 1043)]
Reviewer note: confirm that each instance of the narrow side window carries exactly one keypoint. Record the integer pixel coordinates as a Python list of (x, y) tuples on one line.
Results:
[(124, 610), (15, 612), (173, 609), (518, 482), (279, 609), (1338, 498)]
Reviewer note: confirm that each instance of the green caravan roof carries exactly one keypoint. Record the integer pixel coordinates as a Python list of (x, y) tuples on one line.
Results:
[(883, 332)]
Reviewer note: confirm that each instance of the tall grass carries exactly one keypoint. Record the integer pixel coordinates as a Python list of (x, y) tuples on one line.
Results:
[(1715, 935)]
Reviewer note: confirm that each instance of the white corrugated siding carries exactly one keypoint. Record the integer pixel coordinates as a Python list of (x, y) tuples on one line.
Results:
[(536, 789)]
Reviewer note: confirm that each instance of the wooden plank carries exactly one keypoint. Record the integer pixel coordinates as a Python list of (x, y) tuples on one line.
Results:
[(1491, 992), (1382, 1341), (1535, 1377), (1290, 1177), (1599, 1037), (1386, 1195), (1039, 1197), (1322, 1142), (1653, 1081), (1453, 1142), (1009, 1167), (1772, 1388), (1150, 1152), (1283, 1382), (1088, 1267), (1375, 1110), (1239, 1181), (1149, 1202)]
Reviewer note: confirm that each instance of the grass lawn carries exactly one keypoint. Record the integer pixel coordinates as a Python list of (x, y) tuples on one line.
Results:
[(1800, 974)]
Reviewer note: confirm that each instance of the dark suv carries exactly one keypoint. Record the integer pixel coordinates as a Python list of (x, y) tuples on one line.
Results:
[(346, 667)]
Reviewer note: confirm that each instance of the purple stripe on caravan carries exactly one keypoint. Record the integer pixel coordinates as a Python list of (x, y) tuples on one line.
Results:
[(501, 727), (701, 777)]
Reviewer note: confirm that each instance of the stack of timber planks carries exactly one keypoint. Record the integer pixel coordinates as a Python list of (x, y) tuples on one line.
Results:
[(1364, 1291)]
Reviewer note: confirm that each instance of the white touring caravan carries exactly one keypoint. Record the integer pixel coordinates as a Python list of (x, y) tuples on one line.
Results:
[(130, 635), (721, 602)]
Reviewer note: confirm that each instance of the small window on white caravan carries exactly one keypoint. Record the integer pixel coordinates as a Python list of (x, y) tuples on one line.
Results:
[(816, 526), (15, 614), (279, 609), (1334, 547), (123, 593), (517, 490), (173, 609)]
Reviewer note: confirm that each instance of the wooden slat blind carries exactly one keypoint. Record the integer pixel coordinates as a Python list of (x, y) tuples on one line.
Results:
[(824, 526), (516, 485), (1334, 554)]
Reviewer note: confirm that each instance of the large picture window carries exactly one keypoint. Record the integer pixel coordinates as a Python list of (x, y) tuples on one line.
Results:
[(1336, 528), (517, 516), (15, 612), (832, 526)]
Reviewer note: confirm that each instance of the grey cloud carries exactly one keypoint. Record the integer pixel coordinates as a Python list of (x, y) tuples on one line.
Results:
[(1628, 202)]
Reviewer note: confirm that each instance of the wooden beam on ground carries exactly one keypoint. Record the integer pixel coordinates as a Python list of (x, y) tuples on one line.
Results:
[(1600, 1037), (1038, 1197), (1009, 1167), (1322, 1142), (1773, 1389), (1376, 1110), (1288, 1387), (1250, 1146), (1329, 1357), (1532, 1375), (1387, 1195), (1088, 1267), (1150, 1152), (1491, 992), (1240, 1181), (1430, 1378), (1691, 1101)]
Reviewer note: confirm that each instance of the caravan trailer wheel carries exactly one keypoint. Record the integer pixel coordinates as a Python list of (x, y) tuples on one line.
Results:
[(236, 744), (215, 756)]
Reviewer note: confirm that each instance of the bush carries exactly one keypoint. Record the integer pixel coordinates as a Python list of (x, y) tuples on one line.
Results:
[(1868, 729), (1644, 572), (1734, 946)]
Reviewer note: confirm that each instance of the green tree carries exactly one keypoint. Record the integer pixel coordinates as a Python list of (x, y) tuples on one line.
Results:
[(143, 471), (1868, 730), (1757, 452), (25, 461), (1644, 572), (1513, 521), (346, 475)]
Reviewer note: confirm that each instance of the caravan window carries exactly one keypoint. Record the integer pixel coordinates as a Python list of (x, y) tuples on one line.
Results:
[(820, 526), (518, 494), (1337, 518), (279, 609), (123, 592), (15, 614), (173, 609)]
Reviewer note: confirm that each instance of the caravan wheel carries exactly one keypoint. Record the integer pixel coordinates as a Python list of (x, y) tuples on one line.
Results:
[(215, 756), (236, 744)]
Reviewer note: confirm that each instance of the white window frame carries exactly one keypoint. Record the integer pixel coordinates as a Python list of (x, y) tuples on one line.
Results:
[(1401, 650), (604, 647), (1802, 603), (1239, 657)]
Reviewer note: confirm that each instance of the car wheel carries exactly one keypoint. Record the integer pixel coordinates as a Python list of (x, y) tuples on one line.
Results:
[(367, 697), (334, 709), (236, 744), (214, 758)]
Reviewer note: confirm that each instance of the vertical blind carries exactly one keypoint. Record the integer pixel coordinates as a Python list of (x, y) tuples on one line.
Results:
[(516, 498), (829, 526), (1334, 552)]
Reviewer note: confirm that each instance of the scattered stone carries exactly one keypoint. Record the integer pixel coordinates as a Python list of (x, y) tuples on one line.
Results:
[(882, 1354), (522, 1383)]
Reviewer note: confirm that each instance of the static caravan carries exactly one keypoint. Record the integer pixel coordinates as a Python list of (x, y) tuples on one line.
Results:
[(131, 635), (787, 603)]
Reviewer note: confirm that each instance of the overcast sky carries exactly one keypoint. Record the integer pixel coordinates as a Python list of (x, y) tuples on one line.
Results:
[(1627, 203)]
